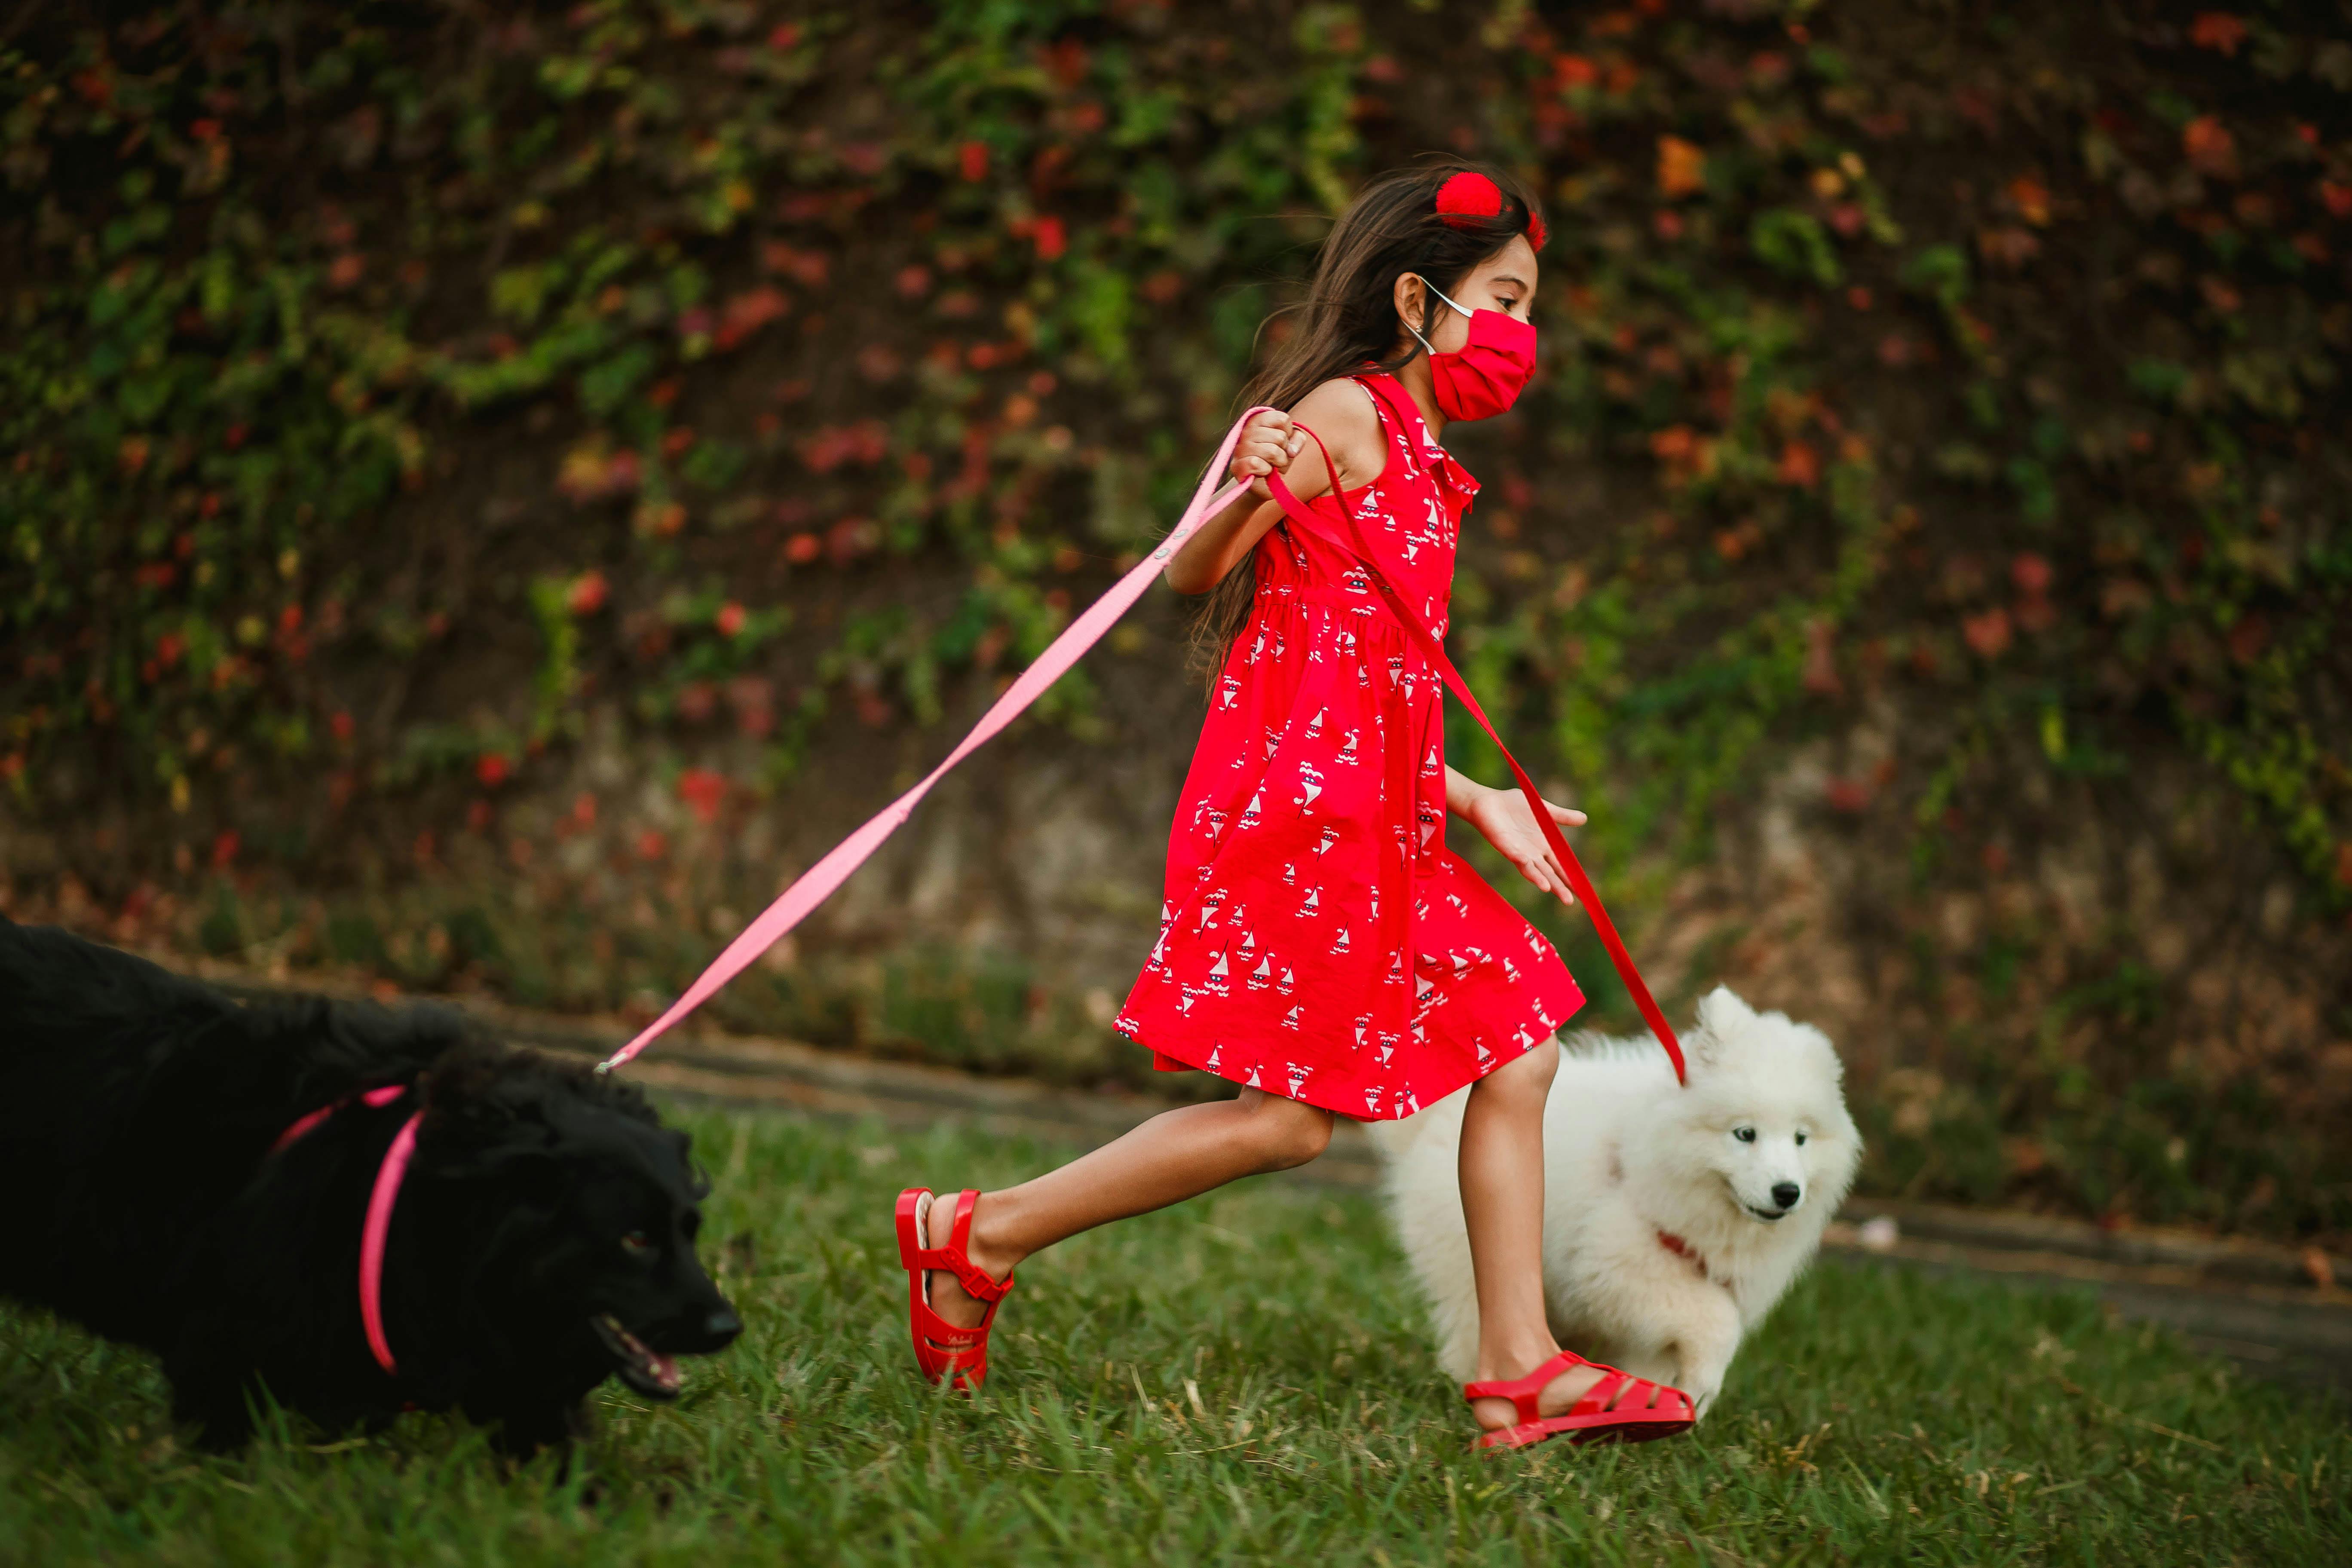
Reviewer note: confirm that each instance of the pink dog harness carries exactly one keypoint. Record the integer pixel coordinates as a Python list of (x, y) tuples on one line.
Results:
[(385, 1193)]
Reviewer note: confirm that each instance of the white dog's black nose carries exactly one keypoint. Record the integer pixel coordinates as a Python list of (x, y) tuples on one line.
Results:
[(1785, 1193)]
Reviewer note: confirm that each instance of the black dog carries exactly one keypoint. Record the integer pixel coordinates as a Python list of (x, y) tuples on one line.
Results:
[(541, 1240)]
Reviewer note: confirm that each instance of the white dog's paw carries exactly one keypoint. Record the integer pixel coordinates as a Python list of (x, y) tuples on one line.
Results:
[(1703, 1398)]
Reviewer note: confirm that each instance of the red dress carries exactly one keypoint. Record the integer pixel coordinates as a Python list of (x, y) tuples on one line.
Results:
[(1319, 940)]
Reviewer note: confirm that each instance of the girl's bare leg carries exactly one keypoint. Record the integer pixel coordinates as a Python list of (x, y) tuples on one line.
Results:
[(1502, 1163), (1176, 1155)]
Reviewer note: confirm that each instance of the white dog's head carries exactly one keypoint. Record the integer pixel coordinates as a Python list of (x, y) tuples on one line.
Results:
[(1761, 1132)]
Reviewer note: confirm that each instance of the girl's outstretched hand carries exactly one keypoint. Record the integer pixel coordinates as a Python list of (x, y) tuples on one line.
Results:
[(1502, 815), (1268, 443)]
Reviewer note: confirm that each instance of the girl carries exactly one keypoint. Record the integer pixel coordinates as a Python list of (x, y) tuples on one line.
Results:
[(1319, 944)]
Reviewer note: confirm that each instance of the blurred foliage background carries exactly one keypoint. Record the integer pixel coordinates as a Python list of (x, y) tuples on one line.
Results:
[(485, 491)]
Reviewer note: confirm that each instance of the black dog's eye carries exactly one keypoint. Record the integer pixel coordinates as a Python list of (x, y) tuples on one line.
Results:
[(1745, 1134), (637, 1244)]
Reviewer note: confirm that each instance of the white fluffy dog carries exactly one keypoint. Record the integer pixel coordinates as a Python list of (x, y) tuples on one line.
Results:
[(1673, 1217)]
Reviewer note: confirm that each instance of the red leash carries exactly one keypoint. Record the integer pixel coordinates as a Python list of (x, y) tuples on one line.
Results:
[(795, 903), (1433, 650)]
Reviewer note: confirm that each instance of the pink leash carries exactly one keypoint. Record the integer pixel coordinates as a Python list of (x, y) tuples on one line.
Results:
[(818, 882)]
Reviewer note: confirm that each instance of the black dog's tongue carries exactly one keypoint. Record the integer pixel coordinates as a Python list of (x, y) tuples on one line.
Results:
[(647, 1370)]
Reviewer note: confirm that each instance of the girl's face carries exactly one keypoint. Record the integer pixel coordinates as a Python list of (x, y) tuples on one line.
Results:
[(1505, 281)]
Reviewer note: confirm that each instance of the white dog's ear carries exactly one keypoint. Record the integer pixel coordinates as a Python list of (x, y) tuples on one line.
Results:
[(1721, 1012)]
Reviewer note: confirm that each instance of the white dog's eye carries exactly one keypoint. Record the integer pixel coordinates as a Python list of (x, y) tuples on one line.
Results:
[(1745, 1134), (1800, 1140)]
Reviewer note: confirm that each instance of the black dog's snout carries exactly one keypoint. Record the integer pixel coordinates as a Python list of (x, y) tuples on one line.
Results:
[(721, 1327), (1785, 1193)]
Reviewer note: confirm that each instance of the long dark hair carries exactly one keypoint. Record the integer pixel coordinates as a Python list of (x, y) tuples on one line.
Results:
[(1349, 318)]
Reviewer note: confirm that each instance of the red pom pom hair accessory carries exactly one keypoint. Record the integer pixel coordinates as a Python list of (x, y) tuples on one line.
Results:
[(1469, 197)]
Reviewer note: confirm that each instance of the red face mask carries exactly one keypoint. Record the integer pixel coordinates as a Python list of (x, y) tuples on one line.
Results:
[(1485, 375)]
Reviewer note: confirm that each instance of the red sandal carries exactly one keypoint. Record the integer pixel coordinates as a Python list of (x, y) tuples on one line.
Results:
[(946, 1353), (1615, 1410)]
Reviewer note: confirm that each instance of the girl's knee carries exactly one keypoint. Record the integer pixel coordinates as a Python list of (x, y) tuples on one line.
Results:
[(1286, 1132), (1527, 1075)]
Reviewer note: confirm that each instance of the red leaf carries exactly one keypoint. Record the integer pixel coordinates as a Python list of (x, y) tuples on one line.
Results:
[(1682, 167), (1847, 794), (1988, 633), (2210, 149), (587, 594), (2217, 30), (491, 769), (704, 792)]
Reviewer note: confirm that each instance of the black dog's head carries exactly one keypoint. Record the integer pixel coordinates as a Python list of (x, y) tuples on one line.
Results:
[(579, 1210)]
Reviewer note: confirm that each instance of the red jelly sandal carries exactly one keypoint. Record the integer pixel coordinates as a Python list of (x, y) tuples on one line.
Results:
[(1620, 1408), (946, 1353)]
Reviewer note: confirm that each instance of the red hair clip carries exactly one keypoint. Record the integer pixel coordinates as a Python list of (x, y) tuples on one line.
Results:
[(1469, 197)]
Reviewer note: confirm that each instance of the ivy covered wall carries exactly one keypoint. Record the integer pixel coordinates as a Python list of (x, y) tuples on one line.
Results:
[(485, 492)]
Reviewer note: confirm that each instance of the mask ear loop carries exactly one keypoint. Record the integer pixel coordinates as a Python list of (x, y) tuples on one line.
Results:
[(1450, 305)]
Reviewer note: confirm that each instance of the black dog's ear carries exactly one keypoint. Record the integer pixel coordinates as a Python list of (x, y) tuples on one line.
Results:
[(484, 1141), (697, 1174)]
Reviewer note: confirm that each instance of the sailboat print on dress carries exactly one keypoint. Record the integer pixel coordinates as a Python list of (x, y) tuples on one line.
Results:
[(1217, 974), (1310, 785)]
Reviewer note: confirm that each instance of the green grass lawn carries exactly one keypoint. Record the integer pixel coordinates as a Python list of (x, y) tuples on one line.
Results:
[(1240, 1379)]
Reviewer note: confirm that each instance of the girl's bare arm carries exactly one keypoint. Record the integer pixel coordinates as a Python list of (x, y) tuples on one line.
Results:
[(1275, 443)]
